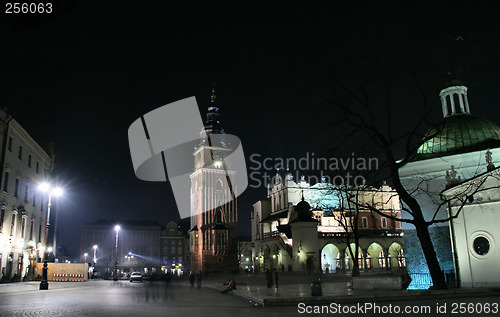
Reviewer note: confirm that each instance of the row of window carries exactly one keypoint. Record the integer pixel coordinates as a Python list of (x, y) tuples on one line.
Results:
[(364, 222), (20, 155), (169, 260), (16, 190), (220, 240), (173, 250), (13, 225), (172, 242)]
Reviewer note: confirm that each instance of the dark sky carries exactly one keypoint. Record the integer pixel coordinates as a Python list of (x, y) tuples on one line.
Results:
[(81, 76)]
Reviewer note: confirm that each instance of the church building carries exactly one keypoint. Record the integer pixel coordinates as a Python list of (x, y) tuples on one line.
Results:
[(213, 232), (474, 232), (453, 152)]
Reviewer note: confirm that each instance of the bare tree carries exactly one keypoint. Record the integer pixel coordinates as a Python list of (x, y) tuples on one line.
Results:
[(363, 104), (349, 221)]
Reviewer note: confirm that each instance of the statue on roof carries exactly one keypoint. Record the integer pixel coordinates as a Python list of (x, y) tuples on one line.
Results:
[(489, 160)]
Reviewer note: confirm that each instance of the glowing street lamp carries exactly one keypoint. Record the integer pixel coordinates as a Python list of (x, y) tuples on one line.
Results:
[(95, 258), (115, 277), (57, 191)]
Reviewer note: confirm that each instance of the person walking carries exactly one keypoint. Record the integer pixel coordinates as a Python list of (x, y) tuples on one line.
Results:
[(199, 276), (276, 278), (269, 279), (191, 279)]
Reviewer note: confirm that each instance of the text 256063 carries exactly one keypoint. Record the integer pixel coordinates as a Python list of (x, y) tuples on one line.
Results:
[(28, 8)]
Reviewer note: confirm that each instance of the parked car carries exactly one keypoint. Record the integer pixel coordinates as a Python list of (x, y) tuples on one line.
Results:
[(136, 276)]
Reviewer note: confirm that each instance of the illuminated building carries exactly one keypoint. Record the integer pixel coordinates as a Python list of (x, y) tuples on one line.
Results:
[(174, 250), (23, 209), (290, 235), (213, 232), (455, 151)]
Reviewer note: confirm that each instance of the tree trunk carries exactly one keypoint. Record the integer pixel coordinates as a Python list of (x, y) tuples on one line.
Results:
[(422, 228), (355, 264), (355, 268), (430, 257)]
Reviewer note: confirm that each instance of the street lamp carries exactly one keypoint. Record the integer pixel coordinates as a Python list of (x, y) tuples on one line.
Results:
[(115, 277), (57, 191), (95, 258)]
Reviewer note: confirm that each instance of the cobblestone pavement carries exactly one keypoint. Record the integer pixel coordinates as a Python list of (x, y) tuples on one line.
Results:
[(122, 298)]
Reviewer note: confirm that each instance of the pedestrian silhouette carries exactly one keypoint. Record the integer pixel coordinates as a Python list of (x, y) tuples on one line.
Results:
[(269, 279), (191, 279), (198, 279), (276, 278)]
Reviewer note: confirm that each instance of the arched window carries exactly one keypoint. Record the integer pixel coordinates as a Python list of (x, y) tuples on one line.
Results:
[(218, 216), (219, 185)]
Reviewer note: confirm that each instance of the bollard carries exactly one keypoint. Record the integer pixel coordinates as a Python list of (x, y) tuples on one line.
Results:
[(44, 284), (316, 288)]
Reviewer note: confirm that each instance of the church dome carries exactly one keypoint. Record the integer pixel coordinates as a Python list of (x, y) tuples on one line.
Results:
[(458, 134), (304, 213)]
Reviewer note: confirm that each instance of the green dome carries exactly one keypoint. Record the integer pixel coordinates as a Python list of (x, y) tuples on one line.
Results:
[(459, 134)]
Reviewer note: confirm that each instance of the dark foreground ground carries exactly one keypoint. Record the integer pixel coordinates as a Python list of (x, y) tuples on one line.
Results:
[(122, 298)]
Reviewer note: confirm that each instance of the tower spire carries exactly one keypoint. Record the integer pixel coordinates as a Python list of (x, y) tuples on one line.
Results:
[(212, 123), (212, 96)]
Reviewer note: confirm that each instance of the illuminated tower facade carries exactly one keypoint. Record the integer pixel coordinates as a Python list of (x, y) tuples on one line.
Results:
[(213, 200)]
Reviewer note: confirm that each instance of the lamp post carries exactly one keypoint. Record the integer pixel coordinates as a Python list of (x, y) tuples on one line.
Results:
[(115, 277), (57, 191), (95, 250)]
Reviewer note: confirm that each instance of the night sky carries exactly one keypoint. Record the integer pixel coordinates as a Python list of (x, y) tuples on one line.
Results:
[(81, 76)]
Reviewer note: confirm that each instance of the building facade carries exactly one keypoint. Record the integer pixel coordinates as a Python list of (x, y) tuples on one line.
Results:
[(454, 151), (474, 232), (134, 247), (174, 250), (214, 217), (23, 208), (290, 235), (245, 254)]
